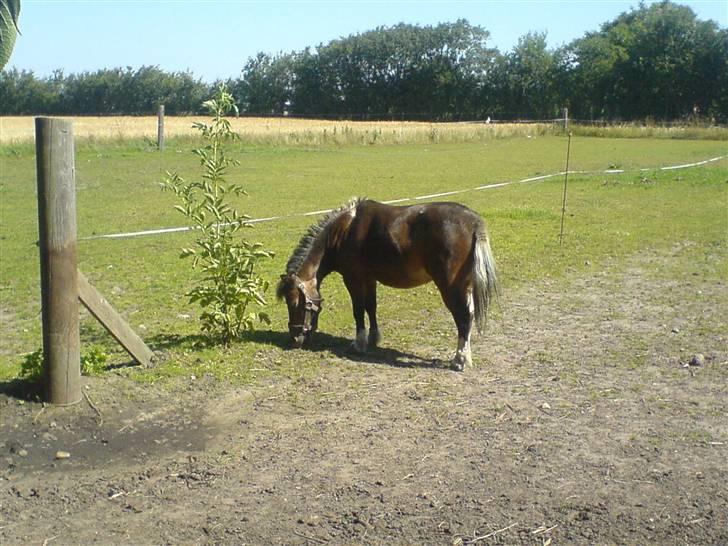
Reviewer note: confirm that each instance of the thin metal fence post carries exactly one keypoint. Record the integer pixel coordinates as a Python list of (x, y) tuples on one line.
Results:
[(563, 201)]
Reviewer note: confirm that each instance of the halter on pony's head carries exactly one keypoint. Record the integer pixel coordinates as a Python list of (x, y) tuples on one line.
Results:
[(303, 307)]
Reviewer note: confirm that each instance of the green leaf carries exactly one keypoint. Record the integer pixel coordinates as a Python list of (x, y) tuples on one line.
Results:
[(9, 13)]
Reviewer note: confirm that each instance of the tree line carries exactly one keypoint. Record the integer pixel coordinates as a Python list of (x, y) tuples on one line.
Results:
[(658, 61)]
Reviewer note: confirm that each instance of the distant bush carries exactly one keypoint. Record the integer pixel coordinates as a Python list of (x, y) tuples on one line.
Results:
[(107, 91)]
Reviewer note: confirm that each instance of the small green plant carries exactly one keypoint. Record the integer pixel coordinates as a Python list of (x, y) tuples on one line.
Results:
[(230, 282), (93, 362), (31, 368)]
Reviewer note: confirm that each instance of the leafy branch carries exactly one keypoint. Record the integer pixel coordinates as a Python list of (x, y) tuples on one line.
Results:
[(229, 283)]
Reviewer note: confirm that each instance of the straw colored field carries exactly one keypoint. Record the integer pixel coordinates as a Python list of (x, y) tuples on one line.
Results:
[(278, 130), (308, 132)]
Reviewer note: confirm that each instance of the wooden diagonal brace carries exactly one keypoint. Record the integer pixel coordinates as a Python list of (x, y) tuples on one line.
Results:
[(113, 322)]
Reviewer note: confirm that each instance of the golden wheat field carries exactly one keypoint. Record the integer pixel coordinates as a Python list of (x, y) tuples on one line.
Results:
[(296, 131), (18, 129)]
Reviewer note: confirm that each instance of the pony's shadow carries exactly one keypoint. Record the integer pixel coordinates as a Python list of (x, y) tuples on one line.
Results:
[(166, 342), (395, 358), (321, 342)]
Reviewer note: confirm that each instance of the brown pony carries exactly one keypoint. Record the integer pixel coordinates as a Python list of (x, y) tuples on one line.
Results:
[(403, 247)]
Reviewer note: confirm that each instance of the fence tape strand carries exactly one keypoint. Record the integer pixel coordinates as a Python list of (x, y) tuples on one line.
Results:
[(163, 231)]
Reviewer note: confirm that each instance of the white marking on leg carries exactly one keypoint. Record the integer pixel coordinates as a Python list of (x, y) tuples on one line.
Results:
[(462, 355), (463, 351), (360, 344)]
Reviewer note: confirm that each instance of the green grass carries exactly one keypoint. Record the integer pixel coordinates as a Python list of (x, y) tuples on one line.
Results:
[(608, 217), (681, 132)]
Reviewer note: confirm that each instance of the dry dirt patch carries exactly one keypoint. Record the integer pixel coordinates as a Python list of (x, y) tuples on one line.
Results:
[(580, 424)]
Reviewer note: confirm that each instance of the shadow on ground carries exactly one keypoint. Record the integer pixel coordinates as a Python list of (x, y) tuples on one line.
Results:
[(321, 342), (21, 389)]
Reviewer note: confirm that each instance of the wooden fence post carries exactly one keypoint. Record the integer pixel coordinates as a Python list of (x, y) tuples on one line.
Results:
[(160, 128), (55, 166)]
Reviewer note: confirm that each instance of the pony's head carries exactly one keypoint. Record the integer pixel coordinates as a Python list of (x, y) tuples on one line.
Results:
[(304, 305)]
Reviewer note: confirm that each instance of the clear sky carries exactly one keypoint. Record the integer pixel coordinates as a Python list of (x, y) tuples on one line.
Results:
[(214, 38)]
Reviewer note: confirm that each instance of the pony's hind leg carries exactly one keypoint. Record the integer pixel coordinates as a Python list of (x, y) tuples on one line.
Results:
[(460, 304), (463, 355)]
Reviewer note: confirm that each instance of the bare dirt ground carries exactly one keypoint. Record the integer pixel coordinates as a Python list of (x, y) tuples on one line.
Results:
[(579, 424)]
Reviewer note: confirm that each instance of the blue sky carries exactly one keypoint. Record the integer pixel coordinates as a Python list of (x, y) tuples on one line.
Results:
[(213, 39)]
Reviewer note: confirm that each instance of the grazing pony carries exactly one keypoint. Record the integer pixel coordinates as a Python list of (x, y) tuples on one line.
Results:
[(403, 247)]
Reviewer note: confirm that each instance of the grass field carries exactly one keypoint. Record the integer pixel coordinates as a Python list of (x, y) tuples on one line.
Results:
[(580, 421), (608, 216)]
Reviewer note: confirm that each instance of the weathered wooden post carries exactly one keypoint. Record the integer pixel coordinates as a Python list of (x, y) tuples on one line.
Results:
[(160, 128), (566, 119), (58, 260)]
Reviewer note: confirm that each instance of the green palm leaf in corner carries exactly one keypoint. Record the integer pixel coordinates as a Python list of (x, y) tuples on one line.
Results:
[(9, 12)]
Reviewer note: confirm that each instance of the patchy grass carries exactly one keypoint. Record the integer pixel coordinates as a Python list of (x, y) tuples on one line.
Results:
[(608, 216), (630, 130)]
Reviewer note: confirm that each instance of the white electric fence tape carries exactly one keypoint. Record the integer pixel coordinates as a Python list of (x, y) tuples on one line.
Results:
[(418, 198)]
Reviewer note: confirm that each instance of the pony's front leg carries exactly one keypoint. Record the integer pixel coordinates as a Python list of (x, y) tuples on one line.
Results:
[(358, 301), (371, 307), (361, 342)]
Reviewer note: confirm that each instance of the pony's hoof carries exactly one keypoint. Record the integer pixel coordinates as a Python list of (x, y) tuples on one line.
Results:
[(375, 338), (359, 345), (459, 362)]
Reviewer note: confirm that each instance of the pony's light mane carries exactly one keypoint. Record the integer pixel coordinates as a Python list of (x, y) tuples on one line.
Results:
[(315, 233)]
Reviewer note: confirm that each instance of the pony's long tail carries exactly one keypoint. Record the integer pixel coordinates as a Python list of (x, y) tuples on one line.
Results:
[(485, 279)]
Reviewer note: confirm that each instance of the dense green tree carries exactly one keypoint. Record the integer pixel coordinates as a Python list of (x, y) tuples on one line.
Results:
[(524, 81), (265, 84), (107, 91), (22, 93), (402, 70), (654, 61)]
